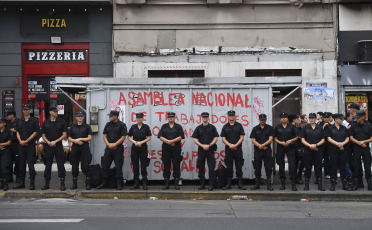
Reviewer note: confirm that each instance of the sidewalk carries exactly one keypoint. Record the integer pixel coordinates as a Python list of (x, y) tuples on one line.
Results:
[(186, 192)]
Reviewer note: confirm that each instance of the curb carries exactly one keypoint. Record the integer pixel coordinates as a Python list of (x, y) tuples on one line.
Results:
[(187, 195)]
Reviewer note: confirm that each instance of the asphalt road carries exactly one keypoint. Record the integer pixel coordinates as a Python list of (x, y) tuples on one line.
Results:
[(58, 214)]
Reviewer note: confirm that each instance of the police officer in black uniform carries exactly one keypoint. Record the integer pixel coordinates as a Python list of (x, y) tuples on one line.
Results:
[(338, 138), (5, 142), (312, 136), (53, 131), (114, 135), (79, 135), (262, 136), (361, 136), (285, 136), (299, 152), (27, 131), (232, 136), (205, 137), (14, 146), (171, 135), (139, 134)]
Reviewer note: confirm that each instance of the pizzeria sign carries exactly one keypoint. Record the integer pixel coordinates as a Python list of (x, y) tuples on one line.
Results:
[(56, 55)]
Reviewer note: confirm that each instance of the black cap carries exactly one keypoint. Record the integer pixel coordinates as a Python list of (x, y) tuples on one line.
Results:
[(3, 120), (139, 115), (326, 115), (53, 109), (231, 113), (205, 114), (339, 116), (360, 113), (10, 112), (354, 106), (80, 114), (262, 117), (171, 114), (283, 115), (26, 107), (113, 113), (312, 115)]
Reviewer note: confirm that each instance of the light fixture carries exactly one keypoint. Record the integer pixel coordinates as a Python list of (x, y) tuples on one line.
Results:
[(55, 40)]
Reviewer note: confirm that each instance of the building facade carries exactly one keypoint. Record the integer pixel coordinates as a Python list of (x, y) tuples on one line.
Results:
[(40, 40)]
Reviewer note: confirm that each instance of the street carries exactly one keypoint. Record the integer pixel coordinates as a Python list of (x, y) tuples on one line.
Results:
[(83, 214)]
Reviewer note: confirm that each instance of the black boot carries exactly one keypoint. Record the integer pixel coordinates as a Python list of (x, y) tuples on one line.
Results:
[(320, 184), (307, 183), (74, 183), (1, 183), (32, 183), (269, 185), (345, 186), (228, 184), (240, 184), (136, 185), (19, 185), (282, 187), (355, 184), (87, 183), (333, 185), (63, 186), (6, 187), (119, 184), (210, 187), (103, 185), (144, 184), (46, 185), (293, 183), (176, 186), (369, 181), (360, 183), (166, 184), (257, 184), (202, 184)]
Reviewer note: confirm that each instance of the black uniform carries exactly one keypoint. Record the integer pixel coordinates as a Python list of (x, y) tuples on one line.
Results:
[(139, 153), (54, 130), (27, 153), (312, 157), (14, 148), (80, 151), (262, 135), (205, 135), (5, 136), (338, 158), (361, 132), (171, 154), (114, 132), (285, 134)]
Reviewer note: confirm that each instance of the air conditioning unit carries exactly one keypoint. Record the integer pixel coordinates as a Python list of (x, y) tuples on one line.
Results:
[(365, 52)]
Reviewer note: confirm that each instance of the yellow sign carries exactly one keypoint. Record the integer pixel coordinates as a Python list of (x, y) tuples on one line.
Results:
[(356, 99), (53, 22)]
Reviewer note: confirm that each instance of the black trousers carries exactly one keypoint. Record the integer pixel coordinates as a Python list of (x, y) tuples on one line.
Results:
[(5, 157), (265, 156), (230, 157), (171, 156), (365, 155), (291, 155), (58, 152), (299, 151), (80, 152), (337, 160), (211, 161), (139, 154), (27, 155), (116, 155), (311, 158), (14, 148)]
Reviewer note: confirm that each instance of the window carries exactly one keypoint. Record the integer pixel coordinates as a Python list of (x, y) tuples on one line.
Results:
[(273, 72), (175, 73)]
